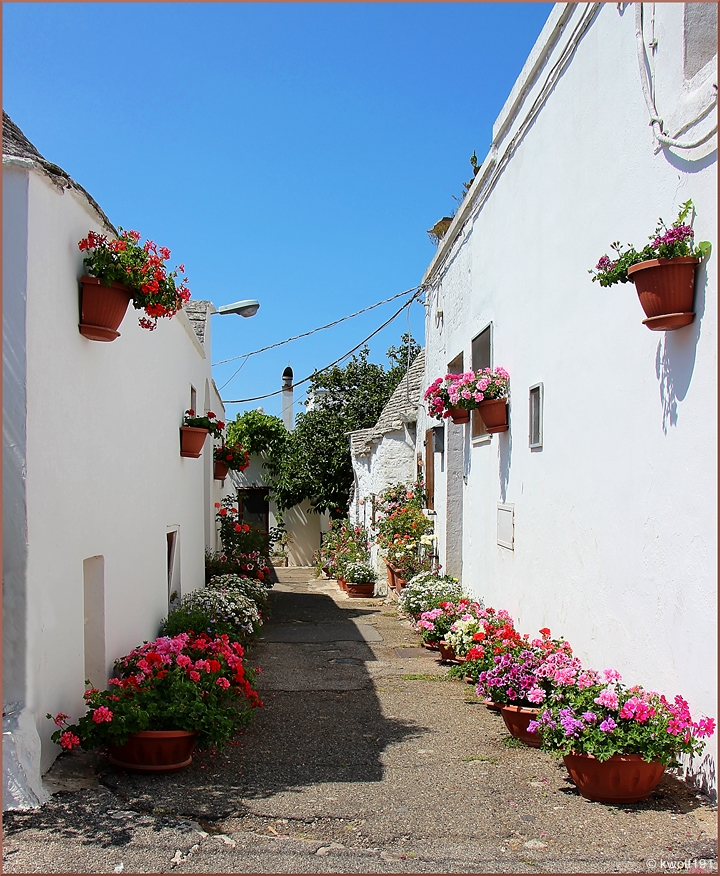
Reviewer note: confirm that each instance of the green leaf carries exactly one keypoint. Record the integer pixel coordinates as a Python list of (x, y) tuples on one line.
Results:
[(704, 248)]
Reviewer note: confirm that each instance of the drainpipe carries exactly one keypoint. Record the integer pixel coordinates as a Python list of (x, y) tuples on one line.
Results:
[(287, 398)]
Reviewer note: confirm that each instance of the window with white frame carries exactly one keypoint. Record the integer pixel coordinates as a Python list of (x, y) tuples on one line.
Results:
[(536, 416)]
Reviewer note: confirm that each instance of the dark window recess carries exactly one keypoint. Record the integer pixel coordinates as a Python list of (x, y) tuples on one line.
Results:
[(254, 508), (430, 469), (481, 358), (536, 415), (700, 27)]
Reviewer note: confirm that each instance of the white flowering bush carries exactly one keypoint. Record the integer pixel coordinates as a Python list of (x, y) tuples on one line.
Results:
[(460, 635), (213, 611), (359, 573), (250, 587), (426, 591)]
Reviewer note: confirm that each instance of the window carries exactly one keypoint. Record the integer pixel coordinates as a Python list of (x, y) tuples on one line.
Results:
[(506, 526), (481, 358), (430, 469), (536, 416), (254, 508), (193, 399), (700, 36)]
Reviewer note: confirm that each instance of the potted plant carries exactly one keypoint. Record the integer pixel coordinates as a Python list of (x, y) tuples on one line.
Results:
[(663, 272), (426, 591), (120, 271), (456, 395), (616, 741), (521, 677), (359, 580), (167, 696), (229, 457), (194, 431)]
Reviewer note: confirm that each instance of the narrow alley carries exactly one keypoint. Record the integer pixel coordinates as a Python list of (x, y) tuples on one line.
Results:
[(364, 759)]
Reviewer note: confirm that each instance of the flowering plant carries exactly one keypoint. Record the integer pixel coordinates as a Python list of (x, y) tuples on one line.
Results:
[(465, 390), (434, 624), (400, 495), (426, 591), (524, 674), (185, 682), (593, 713), (238, 537), (359, 573), (209, 422), (255, 589), (245, 566), (233, 455), (141, 268), (666, 243), (343, 543), (215, 610)]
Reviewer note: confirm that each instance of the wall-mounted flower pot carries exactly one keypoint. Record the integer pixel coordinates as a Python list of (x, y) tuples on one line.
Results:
[(102, 309), (459, 415), (666, 288), (191, 441), (221, 470), (155, 751), (624, 778), (494, 414)]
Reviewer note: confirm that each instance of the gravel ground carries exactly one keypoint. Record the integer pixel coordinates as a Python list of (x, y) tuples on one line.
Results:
[(364, 759)]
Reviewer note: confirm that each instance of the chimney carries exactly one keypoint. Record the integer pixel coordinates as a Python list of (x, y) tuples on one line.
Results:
[(287, 398)]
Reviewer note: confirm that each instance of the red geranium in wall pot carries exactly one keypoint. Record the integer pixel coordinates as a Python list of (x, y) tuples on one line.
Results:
[(229, 457), (121, 271), (195, 430), (663, 272)]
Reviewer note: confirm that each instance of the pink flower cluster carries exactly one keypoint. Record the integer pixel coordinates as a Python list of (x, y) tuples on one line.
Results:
[(465, 390)]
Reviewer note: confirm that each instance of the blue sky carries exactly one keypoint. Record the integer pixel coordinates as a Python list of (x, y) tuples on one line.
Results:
[(291, 152)]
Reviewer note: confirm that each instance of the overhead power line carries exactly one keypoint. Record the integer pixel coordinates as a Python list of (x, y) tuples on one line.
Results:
[(319, 329), (418, 290)]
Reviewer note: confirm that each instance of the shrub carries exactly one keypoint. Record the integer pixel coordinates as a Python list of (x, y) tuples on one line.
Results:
[(214, 611)]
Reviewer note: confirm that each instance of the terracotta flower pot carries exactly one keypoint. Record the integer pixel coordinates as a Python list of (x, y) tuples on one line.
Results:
[(192, 440), (431, 646), (102, 309), (360, 591), (342, 583), (516, 719), (221, 470), (625, 778), (155, 751), (494, 414), (399, 582), (666, 288), (493, 706), (390, 574), (459, 415), (446, 652)]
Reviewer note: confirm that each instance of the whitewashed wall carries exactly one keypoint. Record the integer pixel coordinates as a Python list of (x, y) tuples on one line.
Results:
[(94, 457), (615, 517)]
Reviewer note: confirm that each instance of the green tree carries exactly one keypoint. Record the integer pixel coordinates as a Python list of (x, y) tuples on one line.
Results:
[(315, 461)]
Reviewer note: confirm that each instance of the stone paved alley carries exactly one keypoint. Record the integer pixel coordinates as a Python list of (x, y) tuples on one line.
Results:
[(364, 759)]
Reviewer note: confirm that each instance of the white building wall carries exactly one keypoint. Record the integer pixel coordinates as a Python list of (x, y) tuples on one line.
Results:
[(615, 518), (103, 475)]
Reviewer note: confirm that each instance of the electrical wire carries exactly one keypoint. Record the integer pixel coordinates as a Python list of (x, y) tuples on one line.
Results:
[(239, 401), (319, 329)]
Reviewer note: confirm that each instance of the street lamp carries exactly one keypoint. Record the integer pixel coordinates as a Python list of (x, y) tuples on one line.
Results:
[(246, 308)]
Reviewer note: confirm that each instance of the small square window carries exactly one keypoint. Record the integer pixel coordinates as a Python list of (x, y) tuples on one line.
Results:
[(536, 416)]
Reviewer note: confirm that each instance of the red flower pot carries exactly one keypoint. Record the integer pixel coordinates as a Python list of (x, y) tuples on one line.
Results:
[(155, 751), (666, 288), (625, 778), (221, 470), (391, 575), (359, 591), (516, 719), (431, 646), (493, 706), (446, 652), (494, 414), (192, 440), (459, 415), (399, 582), (342, 583), (102, 309)]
